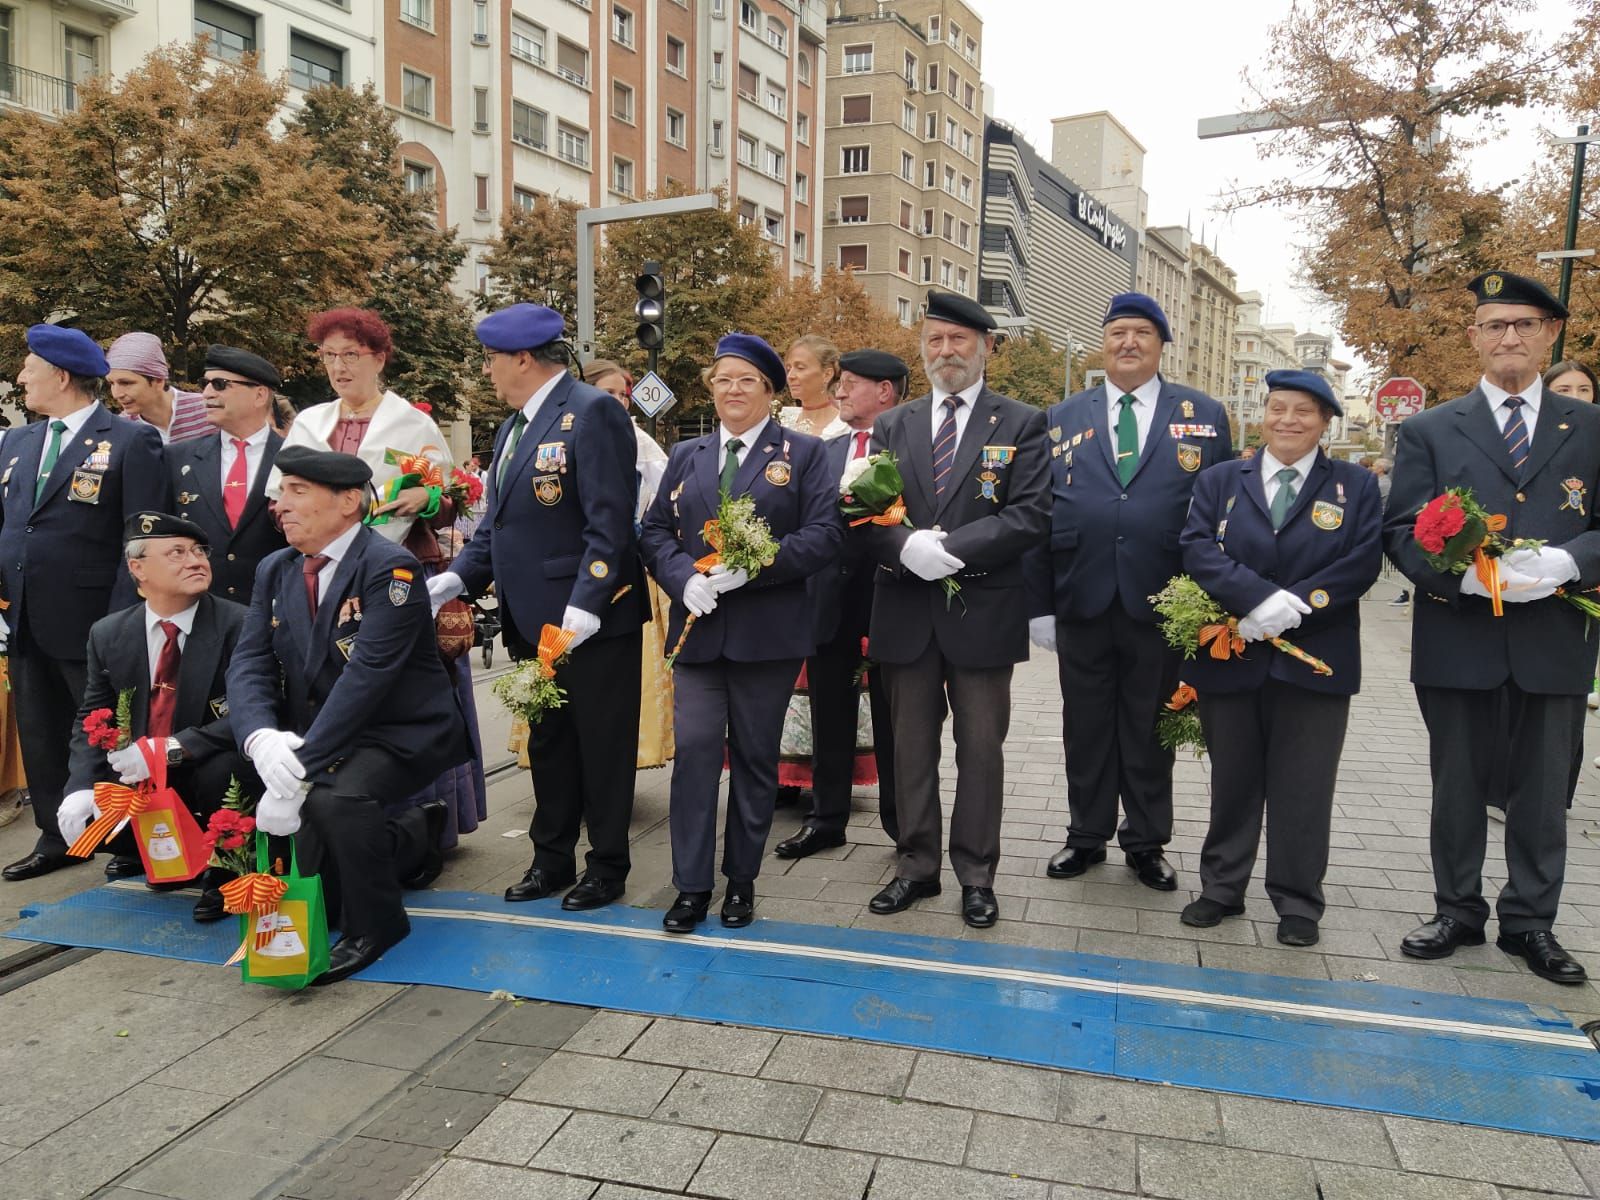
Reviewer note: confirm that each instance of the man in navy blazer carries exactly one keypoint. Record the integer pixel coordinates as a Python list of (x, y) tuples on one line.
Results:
[(558, 544), (338, 695), (1124, 458), (67, 484)]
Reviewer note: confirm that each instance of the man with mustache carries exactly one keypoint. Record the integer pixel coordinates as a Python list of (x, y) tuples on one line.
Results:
[(1124, 457), (976, 472)]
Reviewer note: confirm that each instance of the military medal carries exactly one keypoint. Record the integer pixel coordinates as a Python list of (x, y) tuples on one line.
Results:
[(1055, 433), (100, 460), (566, 422), (1077, 439), (1338, 491), (997, 456), (1188, 409), (986, 485), (550, 458), (1575, 494), (350, 610), (1327, 516)]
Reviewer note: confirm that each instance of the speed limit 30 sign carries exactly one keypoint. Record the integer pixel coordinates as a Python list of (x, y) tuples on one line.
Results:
[(652, 396)]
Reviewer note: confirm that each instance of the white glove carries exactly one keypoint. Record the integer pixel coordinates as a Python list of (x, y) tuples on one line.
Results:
[(129, 763), (1278, 612), (1547, 563), (725, 580), (443, 588), (278, 813), (76, 811), (1042, 632), (272, 750), (1516, 588), (584, 624), (5, 635), (699, 595), (924, 557)]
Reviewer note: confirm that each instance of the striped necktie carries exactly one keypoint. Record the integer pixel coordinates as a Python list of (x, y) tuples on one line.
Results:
[(1516, 432), (944, 446)]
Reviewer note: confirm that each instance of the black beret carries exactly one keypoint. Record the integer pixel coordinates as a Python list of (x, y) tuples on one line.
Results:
[(324, 466), (1502, 287), (958, 310), (160, 525), (873, 364), (241, 362)]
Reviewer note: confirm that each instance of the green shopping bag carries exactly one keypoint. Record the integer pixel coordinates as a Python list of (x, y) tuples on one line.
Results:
[(283, 923)]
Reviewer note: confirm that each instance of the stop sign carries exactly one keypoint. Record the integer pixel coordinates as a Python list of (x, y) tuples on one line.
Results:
[(1398, 398)]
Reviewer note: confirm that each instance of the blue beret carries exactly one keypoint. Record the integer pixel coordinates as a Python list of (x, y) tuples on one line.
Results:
[(1502, 287), (521, 327), (958, 310), (1137, 304), (70, 349), (758, 354), (1308, 382)]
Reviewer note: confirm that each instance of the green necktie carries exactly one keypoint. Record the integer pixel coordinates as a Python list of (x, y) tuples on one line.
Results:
[(1284, 500), (51, 453), (518, 424), (730, 466), (1127, 441)]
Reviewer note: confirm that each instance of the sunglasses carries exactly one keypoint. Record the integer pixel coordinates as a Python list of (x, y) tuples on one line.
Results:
[(222, 385)]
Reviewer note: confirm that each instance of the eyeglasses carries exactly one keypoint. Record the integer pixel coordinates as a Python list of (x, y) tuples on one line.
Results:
[(1526, 327), (741, 383), (345, 358), (178, 554), (222, 385)]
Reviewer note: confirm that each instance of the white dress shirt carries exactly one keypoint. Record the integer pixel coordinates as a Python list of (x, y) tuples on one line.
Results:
[(1532, 396), (336, 551), (1270, 467), (255, 449), (530, 407), (74, 422), (963, 414), (1144, 409), (156, 637), (749, 438)]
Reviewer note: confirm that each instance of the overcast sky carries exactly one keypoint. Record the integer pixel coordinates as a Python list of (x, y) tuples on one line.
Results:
[(1160, 65)]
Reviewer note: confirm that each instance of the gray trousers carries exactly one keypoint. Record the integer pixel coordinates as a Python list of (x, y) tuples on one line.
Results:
[(1274, 751), (979, 698), (1468, 731), (739, 705)]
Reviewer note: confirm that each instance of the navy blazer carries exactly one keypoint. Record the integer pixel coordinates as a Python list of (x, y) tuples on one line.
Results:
[(1112, 544), (1546, 646), (67, 548), (367, 672), (841, 593), (796, 492), (560, 531), (194, 466), (1328, 553)]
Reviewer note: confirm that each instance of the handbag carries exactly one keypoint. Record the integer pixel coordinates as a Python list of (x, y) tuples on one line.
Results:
[(170, 843), (285, 944), (454, 629)]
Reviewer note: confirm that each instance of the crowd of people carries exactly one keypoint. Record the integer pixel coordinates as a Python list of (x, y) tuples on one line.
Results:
[(283, 606)]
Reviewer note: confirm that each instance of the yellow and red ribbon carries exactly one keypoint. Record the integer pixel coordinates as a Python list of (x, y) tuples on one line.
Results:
[(256, 895), (895, 514), (117, 804), (553, 643), (1223, 639), (1182, 698)]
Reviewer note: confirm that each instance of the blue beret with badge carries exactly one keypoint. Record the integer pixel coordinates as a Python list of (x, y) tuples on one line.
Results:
[(1137, 304), (758, 354), (70, 349), (521, 327), (1502, 287), (1308, 382)]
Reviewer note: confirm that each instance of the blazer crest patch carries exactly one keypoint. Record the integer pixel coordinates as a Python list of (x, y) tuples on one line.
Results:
[(1575, 494), (399, 590), (219, 707), (1188, 456), (778, 474), (346, 645), (1326, 516), (547, 489), (86, 486)]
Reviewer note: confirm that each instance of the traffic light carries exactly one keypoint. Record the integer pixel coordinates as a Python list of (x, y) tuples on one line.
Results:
[(652, 307)]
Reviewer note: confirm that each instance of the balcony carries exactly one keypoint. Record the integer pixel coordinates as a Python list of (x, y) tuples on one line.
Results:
[(117, 10), (38, 93)]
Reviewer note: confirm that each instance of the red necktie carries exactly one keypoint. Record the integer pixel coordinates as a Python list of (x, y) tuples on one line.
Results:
[(236, 487), (863, 436), (312, 567), (164, 688)]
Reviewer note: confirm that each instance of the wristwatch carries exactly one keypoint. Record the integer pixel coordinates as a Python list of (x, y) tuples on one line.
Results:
[(175, 753)]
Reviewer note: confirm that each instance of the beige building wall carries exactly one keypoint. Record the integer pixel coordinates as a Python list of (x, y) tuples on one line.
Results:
[(1213, 314), (1164, 275), (1100, 153)]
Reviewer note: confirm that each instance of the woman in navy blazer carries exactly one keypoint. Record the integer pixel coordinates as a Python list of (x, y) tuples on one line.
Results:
[(1289, 553)]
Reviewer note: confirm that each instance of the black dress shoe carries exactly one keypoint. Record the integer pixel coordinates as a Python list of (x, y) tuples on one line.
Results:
[(978, 907), (738, 905), (209, 907), (536, 884), (687, 911), (352, 954), (124, 866), (1153, 870), (1544, 955), (1205, 912), (37, 864), (1298, 931), (901, 894), (1439, 938), (593, 892), (1072, 861), (808, 841), (437, 815)]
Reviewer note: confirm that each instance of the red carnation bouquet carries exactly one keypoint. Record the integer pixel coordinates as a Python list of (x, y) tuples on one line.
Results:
[(465, 489), (230, 833), (107, 730)]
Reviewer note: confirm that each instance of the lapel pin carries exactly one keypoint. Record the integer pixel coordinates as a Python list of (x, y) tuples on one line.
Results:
[(1563, 425), (993, 419)]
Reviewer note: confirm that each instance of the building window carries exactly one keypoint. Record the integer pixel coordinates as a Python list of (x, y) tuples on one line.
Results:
[(802, 128), (966, 190), (910, 71), (621, 27), (902, 309), (952, 83), (927, 173), (800, 247), (480, 276), (908, 117), (904, 266), (527, 40), (772, 162), (948, 232), (622, 176), (905, 215), (572, 62), (950, 180), (747, 212), (858, 59), (966, 142), (972, 51), (312, 62), (572, 144), (675, 127), (481, 191), (777, 36), (961, 280), (933, 77), (946, 272), (933, 28), (951, 130), (480, 20), (857, 110), (927, 223), (772, 226), (853, 210), (232, 33), (719, 8), (716, 68), (927, 268), (749, 15), (964, 236), (931, 126), (677, 57), (480, 110), (802, 68), (749, 150), (716, 138), (955, 35), (968, 97), (749, 83), (855, 160), (802, 188), (853, 257), (419, 178), (529, 126), (777, 99), (417, 12), (622, 102), (416, 92), (908, 167)]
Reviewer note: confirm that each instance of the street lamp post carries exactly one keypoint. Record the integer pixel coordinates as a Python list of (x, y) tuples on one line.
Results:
[(1569, 250)]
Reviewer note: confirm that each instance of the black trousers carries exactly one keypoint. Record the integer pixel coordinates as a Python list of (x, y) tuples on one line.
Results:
[(201, 786), (1274, 751), (1116, 674), (46, 693), (979, 700), (835, 700), (739, 705), (582, 760), (1469, 732), (360, 853)]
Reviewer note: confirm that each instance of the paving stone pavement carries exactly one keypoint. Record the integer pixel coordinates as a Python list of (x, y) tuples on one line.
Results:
[(152, 1079)]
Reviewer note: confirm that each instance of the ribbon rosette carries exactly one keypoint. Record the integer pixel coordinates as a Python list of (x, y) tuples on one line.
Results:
[(257, 895), (553, 643), (117, 804)]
